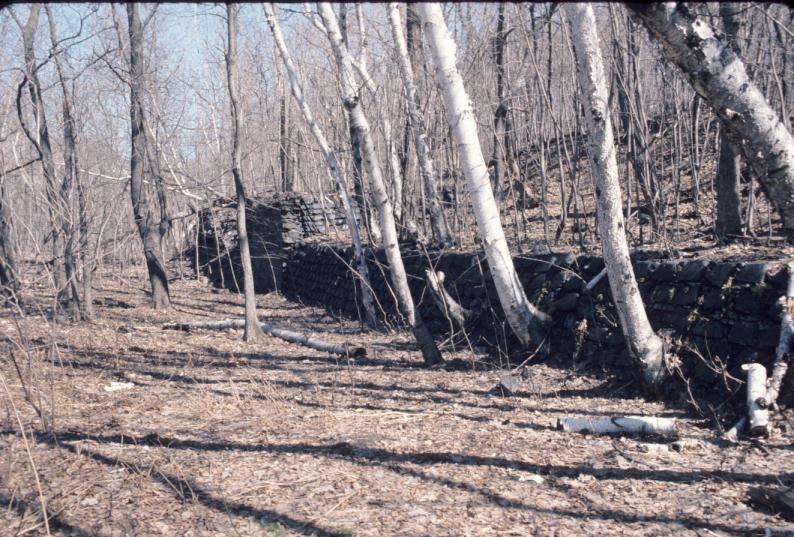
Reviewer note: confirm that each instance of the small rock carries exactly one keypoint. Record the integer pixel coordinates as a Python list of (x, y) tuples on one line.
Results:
[(508, 384)]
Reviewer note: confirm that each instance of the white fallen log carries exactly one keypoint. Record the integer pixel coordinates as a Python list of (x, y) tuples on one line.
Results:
[(756, 390), (281, 333), (118, 386), (782, 355), (598, 277), (620, 424), (443, 299)]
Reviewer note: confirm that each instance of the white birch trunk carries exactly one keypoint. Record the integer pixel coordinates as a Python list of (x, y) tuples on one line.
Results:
[(330, 160), (619, 425), (525, 320), (756, 390), (718, 75), (427, 345), (782, 353), (643, 343), (438, 220)]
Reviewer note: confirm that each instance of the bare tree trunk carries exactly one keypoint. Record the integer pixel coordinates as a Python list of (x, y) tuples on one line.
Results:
[(330, 160), (643, 343), (729, 210), (41, 141), (253, 331), (424, 338), (9, 280), (283, 145), (719, 76), (438, 220), (500, 115), (526, 321), (362, 204), (147, 220), (72, 234)]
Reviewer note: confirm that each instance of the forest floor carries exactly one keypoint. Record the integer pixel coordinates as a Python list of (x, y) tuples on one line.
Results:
[(220, 437)]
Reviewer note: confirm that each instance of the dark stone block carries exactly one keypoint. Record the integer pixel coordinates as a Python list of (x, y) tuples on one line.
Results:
[(615, 338), (566, 302), (718, 273), (584, 308), (643, 268), (769, 336), (713, 300), (751, 273), (666, 272), (524, 265), (687, 295), (774, 311), (747, 302), (565, 260), (543, 264), (663, 294), (646, 290), (537, 282), (692, 271), (560, 279), (709, 329), (777, 278), (570, 322), (592, 267), (743, 333), (677, 319)]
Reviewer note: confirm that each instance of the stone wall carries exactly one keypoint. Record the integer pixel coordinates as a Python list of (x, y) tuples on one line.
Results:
[(719, 314), (722, 313), (274, 225)]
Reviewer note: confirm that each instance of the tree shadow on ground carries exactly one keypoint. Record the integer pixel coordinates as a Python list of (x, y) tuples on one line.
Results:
[(195, 492), (398, 463), (23, 507)]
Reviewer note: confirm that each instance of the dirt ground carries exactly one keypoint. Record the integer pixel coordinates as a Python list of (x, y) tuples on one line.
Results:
[(221, 437)]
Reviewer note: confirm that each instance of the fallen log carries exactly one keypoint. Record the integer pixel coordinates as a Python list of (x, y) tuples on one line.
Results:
[(732, 435), (756, 390), (619, 424), (281, 333), (444, 300)]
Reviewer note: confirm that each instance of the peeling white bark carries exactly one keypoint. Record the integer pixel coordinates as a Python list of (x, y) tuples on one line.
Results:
[(643, 343), (438, 220), (331, 161), (620, 424), (388, 228), (719, 76), (782, 354), (525, 320), (756, 390)]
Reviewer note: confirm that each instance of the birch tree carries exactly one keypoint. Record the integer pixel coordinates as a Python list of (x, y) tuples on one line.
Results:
[(438, 220), (252, 329), (526, 321), (719, 76), (330, 159), (388, 228), (644, 345)]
